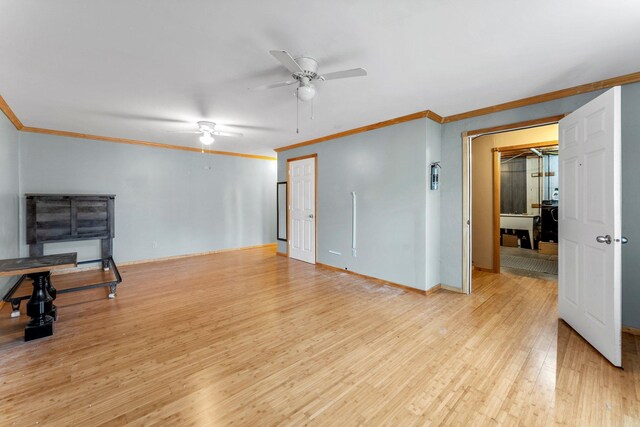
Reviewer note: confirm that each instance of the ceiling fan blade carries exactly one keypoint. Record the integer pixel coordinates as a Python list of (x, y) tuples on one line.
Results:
[(355, 72), (251, 127), (224, 133), (185, 131), (285, 59), (274, 85)]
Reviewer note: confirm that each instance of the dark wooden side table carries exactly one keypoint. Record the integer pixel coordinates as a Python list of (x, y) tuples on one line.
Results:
[(40, 306)]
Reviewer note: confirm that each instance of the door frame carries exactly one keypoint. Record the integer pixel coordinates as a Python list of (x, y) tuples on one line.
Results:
[(496, 192), (315, 203), (467, 197)]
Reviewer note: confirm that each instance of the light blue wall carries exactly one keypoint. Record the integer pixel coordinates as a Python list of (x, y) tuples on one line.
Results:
[(451, 202), (432, 209), (397, 214), (168, 202), (631, 205), (9, 190)]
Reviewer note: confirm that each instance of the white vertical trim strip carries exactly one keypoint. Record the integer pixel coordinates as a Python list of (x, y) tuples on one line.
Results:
[(354, 206)]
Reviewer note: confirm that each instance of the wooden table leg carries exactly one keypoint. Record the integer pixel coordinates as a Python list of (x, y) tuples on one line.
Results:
[(38, 307)]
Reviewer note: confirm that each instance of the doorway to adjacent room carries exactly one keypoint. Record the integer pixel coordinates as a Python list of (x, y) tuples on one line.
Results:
[(515, 202)]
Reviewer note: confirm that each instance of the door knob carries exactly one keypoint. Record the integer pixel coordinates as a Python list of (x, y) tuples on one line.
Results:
[(604, 239), (310, 215), (624, 240)]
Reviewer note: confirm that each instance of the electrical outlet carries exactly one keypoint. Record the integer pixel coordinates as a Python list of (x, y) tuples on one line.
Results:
[(155, 244)]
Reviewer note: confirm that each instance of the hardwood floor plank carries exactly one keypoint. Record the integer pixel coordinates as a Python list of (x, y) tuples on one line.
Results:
[(253, 339)]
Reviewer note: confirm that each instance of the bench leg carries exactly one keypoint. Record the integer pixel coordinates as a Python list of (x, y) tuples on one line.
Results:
[(15, 308), (52, 293), (38, 308)]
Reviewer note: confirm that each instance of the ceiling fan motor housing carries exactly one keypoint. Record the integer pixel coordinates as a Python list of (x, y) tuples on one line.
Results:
[(207, 126), (309, 67)]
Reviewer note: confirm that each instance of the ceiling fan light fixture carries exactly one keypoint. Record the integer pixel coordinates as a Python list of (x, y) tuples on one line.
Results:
[(207, 126), (306, 92), (206, 138)]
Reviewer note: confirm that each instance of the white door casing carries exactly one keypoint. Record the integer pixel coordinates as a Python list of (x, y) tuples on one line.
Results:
[(589, 229), (302, 210)]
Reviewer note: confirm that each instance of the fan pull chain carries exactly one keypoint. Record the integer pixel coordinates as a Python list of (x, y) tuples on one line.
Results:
[(311, 108), (297, 112)]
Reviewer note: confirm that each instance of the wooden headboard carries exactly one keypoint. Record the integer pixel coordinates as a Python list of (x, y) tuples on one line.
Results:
[(69, 217)]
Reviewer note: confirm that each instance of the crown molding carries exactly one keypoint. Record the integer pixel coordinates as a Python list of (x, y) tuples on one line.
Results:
[(549, 96), (19, 126), (10, 114), (415, 116), (137, 142)]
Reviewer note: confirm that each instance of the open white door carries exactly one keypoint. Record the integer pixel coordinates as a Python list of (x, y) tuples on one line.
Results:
[(589, 229), (302, 210)]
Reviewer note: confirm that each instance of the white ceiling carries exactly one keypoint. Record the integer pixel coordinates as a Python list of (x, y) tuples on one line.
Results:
[(142, 69)]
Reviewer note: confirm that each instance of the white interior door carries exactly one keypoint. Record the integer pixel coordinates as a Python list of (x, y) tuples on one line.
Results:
[(302, 210), (589, 230)]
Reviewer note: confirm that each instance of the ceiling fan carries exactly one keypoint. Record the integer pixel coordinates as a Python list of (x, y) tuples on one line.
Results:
[(207, 130), (304, 71)]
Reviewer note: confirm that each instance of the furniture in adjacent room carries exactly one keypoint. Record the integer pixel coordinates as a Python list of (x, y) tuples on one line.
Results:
[(549, 220), (40, 306), (519, 222)]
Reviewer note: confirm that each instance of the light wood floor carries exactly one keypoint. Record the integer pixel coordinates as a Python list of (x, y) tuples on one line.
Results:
[(250, 338)]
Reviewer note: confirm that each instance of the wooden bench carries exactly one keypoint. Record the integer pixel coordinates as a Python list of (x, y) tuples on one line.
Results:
[(40, 305)]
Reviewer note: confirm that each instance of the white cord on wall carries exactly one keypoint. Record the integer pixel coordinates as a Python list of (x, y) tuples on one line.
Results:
[(353, 224)]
